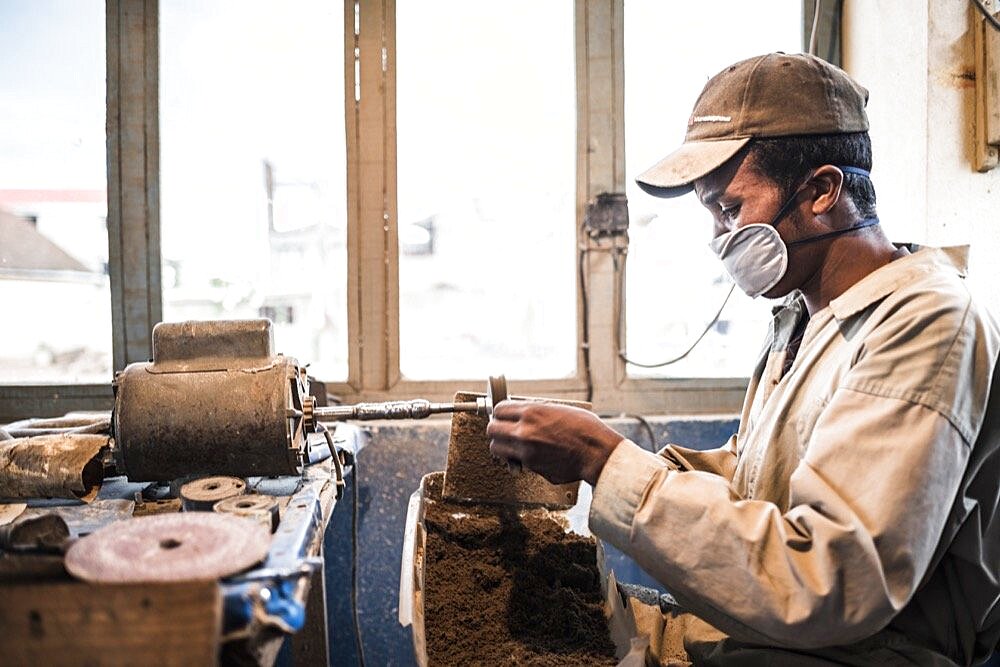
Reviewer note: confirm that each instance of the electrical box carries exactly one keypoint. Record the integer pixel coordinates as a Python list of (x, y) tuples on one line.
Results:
[(607, 215)]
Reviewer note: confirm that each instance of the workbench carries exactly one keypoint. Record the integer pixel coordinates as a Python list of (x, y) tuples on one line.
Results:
[(49, 618)]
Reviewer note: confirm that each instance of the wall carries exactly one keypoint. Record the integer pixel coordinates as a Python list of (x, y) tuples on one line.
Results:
[(916, 59)]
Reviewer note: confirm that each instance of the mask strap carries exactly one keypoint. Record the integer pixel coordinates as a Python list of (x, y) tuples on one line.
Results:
[(783, 211), (857, 171), (867, 222), (787, 206)]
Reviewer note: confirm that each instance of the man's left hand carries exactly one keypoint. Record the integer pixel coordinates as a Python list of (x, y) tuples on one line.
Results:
[(560, 442)]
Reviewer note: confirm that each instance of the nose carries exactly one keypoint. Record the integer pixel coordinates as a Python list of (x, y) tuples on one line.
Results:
[(719, 228)]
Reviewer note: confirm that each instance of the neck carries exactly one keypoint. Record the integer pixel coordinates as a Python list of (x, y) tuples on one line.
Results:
[(847, 260)]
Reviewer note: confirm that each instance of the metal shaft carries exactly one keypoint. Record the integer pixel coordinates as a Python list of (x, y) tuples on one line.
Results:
[(414, 409)]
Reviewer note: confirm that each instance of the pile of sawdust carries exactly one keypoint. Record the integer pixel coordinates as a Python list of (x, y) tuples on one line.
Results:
[(502, 588)]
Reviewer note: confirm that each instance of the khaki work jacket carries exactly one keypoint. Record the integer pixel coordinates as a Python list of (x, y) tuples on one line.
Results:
[(854, 517)]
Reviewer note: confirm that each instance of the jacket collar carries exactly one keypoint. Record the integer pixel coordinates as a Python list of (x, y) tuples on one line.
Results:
[(887, 279)]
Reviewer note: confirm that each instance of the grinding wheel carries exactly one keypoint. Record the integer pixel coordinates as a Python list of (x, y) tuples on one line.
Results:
[(496, 392), (201, 494), (169, 547)]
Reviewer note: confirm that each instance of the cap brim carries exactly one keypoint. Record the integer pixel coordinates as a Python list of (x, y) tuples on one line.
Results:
[(675, 174)]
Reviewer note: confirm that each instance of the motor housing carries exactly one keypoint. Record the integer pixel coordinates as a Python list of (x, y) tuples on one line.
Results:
[(215, 400)]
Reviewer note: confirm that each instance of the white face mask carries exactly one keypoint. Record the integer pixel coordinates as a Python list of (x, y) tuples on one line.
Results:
[(755, 255)]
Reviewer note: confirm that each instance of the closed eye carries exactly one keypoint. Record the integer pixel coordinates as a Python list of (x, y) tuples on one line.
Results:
[(730, 213)]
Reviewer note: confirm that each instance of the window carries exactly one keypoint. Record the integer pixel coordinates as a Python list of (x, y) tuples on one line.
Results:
[(399, 187), (675, 285), (252, 170), (54, 283), (486, 170)]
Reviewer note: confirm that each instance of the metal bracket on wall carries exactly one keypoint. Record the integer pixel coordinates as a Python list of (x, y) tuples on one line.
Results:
[(987, 120)]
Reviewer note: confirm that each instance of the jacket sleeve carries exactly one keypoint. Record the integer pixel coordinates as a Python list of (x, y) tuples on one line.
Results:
[(720, 461), (867, 506)]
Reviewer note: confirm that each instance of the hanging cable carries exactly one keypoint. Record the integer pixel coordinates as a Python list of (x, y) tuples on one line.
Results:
[(592, 244), (585, 332), (355, 495), (338, 465), (815, 28), (643, 422), (987, 14), (339, 469), (620, 324)]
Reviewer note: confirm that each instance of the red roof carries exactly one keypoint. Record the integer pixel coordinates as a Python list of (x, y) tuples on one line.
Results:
[(53, 196)]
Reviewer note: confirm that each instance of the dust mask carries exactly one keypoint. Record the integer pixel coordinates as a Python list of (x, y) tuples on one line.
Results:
[(756, 257)]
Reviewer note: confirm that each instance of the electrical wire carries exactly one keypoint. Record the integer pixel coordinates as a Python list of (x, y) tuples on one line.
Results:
[(619, 270), (585, 333), (643, 422), (624, 357), (620, 326), (987, 14), (355, 495), (339, 466), (815, 28)]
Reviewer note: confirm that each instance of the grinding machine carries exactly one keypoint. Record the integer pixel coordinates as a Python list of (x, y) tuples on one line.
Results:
[(216, 399), (224, 426), (220, 426)]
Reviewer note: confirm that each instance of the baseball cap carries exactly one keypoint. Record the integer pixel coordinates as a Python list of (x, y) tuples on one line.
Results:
[(773, 95)]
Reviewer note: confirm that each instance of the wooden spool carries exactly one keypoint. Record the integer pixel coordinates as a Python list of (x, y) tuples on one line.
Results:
[(200, 495), (261, 507)]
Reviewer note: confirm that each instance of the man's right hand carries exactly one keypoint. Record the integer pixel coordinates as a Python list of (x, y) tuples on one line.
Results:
[(560, 442)]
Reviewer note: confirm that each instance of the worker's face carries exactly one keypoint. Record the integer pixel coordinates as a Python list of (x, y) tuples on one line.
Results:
[(737, 195)]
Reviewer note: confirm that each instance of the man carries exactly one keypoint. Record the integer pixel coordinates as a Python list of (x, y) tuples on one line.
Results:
[(854, 518)]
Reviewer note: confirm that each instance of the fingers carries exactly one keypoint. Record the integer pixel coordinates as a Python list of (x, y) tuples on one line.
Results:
[(505, 448), (509, 410), (501, 429)]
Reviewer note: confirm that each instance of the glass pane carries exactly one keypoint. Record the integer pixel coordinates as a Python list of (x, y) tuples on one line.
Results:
[(486, 124), (675, 285), (253, 170), (53, 194)]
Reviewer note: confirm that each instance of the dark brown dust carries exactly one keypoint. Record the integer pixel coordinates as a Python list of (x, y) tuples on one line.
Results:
[(504, 589)]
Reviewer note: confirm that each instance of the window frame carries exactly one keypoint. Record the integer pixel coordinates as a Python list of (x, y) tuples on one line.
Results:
[(373, 251), (372, 269)]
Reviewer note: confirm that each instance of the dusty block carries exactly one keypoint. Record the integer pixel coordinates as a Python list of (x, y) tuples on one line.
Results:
[(474, 475)]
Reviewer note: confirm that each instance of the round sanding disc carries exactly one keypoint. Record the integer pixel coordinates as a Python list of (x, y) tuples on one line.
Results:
[(169, 547)]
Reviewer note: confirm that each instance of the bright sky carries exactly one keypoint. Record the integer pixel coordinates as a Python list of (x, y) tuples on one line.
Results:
[(52, 94)]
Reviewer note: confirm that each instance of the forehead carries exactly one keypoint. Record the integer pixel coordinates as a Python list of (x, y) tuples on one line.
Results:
[(735, 178)]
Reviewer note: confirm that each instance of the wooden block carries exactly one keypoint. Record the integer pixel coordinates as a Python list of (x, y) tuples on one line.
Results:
[(73, 623), (475, 476), (987, 54), (991, 82)]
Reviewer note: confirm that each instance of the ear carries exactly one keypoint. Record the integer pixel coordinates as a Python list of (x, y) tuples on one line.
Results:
[(827, 182)]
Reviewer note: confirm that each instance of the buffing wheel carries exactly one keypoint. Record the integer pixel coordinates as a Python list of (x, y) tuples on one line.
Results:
[(169, 547)]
